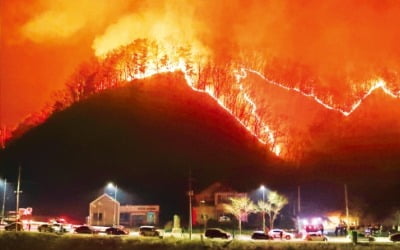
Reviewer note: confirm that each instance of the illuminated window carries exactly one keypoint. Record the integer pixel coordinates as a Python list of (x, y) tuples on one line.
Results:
[(98, 216)]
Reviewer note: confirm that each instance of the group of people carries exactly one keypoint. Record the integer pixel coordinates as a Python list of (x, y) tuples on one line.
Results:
[(341, 229)]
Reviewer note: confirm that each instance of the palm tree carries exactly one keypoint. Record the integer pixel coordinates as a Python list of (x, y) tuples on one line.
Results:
[(240, 207), (276, 203)]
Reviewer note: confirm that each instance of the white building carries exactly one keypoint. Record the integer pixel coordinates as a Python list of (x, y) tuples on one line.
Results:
[(104, 211)]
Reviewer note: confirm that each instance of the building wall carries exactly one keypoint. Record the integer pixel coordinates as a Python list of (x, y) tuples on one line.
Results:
[(210, 203), (214, 211), (207, 195), (138, 215), (204, 212), (224, 197), (102, 211)]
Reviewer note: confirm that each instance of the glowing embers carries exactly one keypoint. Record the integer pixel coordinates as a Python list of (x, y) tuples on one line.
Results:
[(277, 149)]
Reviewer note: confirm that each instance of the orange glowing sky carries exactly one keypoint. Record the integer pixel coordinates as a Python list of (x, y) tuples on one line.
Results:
[(335, 48)]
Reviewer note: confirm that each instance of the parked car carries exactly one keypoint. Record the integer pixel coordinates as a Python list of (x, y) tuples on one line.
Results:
[(85, 230), (395, 237), (13, 226), (260, 235), (116, 231), (3, 225), (52, 228), (45, 228), (361, 236), (216, 233), (315, 236), (276, 233), (150, 231)]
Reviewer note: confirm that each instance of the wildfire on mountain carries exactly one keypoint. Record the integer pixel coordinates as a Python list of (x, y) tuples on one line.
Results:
[(326, 52)]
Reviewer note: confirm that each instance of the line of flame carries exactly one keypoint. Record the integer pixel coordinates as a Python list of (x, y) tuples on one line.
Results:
[(151, 70), (375, 84)]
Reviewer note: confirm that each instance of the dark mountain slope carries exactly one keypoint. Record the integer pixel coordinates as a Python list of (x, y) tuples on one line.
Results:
[(146, 137)]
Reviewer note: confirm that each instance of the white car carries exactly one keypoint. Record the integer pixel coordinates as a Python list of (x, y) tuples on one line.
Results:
[(151, 231), (317, 236), (276, 233)]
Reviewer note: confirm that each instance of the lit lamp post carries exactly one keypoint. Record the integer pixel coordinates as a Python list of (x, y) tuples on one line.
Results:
[(204, 215), (115, 187), (262, 187), (4, 200)]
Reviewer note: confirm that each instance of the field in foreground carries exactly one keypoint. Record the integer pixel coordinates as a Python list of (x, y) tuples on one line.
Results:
[(36, 241)]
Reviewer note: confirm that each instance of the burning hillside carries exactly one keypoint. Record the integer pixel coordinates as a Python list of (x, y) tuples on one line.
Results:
[(223, 82), (322, 51)]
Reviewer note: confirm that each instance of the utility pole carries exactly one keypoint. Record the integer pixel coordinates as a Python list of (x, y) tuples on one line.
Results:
[(298, 200), (116, 220), (190, 194), (115, 216), (346, 200), (17, 200), (263, 212), (4, 201), (298, 207)]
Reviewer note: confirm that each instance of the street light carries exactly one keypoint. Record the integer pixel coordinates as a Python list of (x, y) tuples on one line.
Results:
[(262, 187), (204, 215), (4, 200), (115, 187)]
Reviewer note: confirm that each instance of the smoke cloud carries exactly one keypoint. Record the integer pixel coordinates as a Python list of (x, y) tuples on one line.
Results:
[(170, 22), (59, 20), (332, 44)]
